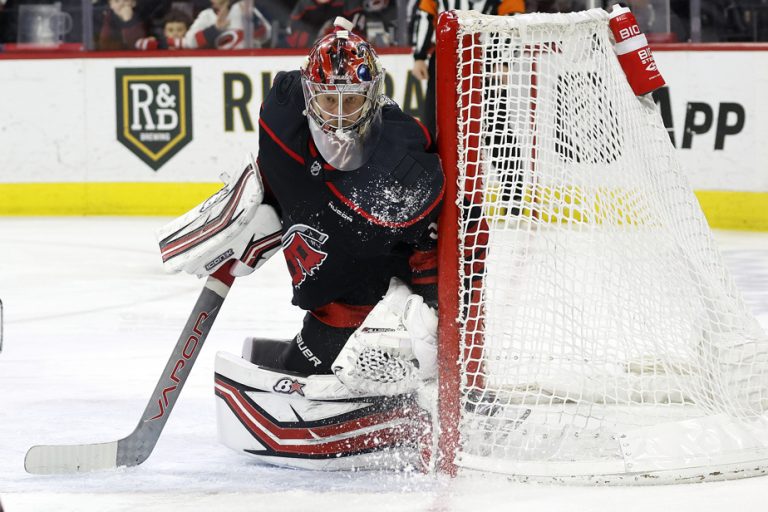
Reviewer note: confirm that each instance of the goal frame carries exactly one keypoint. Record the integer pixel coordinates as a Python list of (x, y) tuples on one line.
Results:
[(446, 91), (459, 146)]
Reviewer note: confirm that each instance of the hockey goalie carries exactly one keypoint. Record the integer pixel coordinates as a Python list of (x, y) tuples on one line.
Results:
[(349, 187)]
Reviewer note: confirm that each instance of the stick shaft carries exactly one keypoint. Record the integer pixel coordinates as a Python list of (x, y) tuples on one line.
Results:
[(137, 447)]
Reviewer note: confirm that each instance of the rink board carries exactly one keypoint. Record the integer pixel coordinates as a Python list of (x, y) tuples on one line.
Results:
[(84, 158)]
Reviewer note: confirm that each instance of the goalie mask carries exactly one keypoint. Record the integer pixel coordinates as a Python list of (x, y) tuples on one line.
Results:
[(342, 82)]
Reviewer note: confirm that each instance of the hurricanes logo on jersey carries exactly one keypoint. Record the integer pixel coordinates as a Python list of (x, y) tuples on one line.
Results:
[(301, 248), (154, 111)]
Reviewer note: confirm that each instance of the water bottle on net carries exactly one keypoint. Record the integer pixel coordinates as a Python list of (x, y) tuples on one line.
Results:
[(633, 52)]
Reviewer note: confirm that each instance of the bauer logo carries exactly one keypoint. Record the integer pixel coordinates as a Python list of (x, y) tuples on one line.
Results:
[(154, 112)]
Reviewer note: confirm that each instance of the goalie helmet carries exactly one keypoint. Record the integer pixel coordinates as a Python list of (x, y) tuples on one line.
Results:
[(342, 80)]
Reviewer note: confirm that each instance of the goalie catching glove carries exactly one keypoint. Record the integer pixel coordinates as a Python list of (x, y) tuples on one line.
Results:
[(394, 350), (231, 224)]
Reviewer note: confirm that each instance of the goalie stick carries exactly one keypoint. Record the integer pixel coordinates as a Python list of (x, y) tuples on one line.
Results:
[(137, 446), (231, 222)]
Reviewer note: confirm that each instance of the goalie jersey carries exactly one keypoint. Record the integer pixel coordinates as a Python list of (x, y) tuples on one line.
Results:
[(346, 233)]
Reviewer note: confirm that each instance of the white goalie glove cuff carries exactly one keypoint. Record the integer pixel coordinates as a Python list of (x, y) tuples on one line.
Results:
[(421, 323), (381, 356)]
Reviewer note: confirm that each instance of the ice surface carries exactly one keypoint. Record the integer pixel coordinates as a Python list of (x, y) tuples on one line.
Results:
[(90, 320)]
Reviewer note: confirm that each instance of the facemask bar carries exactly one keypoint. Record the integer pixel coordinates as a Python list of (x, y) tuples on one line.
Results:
[(341, 107)]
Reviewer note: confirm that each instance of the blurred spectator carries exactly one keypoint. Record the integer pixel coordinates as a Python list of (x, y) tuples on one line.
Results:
[(657, 20), (222, 26), (2, 21), (311, 19), (121, 26), (276, 10), (199, 6), (380, 22), (150, 12), (278, 14), (175, 26), (153, 12), (423, 40), (734, 20)]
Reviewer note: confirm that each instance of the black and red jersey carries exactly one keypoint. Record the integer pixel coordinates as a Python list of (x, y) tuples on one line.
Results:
[(346, 233)]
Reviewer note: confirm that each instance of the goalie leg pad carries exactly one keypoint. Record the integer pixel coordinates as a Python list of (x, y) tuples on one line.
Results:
[(314, 422)]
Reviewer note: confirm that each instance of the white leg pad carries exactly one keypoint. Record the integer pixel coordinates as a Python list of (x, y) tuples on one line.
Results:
[(313, 422)]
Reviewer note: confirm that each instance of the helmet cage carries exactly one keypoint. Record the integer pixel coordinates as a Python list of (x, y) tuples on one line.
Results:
[(342, 107)]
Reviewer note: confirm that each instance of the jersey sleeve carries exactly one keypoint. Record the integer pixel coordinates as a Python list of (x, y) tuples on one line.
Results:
[(422, 239), (204, 34), (269, 196), (195, 36), (280, 120), (423, 264)]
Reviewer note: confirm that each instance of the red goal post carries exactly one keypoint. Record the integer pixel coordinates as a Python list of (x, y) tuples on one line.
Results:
[(589, 329), (448, 282)]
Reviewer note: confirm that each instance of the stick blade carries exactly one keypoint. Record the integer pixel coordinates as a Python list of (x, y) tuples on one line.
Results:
[(79, 458)]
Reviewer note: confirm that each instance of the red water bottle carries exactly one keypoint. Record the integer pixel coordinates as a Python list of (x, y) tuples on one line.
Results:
[(633, 52)]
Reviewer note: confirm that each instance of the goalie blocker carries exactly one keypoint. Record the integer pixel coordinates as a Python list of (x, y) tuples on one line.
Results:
[(233, 224)]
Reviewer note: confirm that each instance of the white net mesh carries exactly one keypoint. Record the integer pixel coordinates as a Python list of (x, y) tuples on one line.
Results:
[(598, 321)]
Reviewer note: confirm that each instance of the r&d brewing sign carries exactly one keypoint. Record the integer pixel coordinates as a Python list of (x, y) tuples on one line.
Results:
[(154, 111)]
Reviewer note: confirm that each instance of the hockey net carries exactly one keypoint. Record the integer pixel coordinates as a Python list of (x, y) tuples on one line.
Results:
[(597, 331)]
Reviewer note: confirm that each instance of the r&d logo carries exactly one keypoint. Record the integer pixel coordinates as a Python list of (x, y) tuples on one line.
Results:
[(154, 111)]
